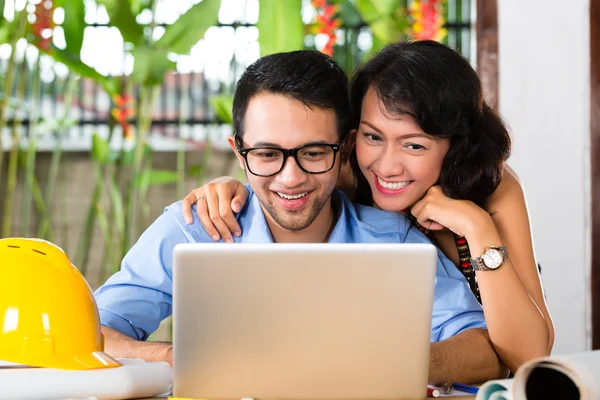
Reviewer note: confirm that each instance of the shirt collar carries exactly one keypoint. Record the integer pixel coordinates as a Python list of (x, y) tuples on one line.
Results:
[(253, 222), (340, 204)]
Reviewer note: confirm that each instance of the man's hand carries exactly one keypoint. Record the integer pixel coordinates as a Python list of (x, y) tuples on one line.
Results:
[(468, 357), (119, 345), (169, 358)]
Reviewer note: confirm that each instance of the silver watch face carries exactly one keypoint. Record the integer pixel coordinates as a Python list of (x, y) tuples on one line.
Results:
[(493, 258)]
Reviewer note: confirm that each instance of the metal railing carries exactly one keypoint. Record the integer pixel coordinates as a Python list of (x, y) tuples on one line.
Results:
[(182, 111)]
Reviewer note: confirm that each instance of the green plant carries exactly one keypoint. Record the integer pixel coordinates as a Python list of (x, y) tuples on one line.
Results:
[(151, 62), (60, 127), (13, 160), (31, 151), (12, 32), (123, 177), (387, 20), (280, 26)]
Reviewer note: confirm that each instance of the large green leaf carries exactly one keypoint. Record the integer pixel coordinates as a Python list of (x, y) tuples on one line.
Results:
[(348, 13), (223, 106), (150, 177), (402, 19), (378, 44), (9, 30), (74, 63), (2, 4), (73, 24), (190, 27), (371, 10), (4, 28), (137, 6), (280, 26), (379, 14), (4, 33), (100, 149), (150, 65), (121, 17), (385, 30)]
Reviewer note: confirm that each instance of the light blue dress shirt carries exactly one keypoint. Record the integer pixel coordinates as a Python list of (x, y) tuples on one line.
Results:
[(137, 298)]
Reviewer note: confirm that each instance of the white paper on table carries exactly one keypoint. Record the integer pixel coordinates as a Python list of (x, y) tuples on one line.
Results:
[(581, 370), (135, 379)]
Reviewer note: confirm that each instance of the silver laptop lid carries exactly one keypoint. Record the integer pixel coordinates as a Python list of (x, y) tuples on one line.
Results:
[(302, 321)]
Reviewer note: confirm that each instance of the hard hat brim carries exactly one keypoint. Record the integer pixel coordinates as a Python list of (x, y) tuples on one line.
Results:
[(95, 360)]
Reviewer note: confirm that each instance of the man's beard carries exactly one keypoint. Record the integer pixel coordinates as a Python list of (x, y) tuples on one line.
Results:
[(296, 220)]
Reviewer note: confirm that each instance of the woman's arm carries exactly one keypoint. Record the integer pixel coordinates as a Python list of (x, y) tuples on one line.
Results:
[(518, 321), (508, 209)]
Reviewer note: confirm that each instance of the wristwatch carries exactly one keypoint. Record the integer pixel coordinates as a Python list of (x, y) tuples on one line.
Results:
[(491, 258)]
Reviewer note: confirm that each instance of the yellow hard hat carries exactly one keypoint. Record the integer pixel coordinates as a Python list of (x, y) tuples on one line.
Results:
[(48, 315)]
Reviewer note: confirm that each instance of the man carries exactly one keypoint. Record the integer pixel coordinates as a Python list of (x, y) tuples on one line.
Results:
[(291, 117)]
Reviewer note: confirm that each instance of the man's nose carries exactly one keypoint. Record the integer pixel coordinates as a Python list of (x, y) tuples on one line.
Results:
[(291, 175)]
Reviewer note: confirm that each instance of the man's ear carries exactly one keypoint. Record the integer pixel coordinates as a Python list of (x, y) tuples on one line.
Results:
[(348, 146), (233, 145)]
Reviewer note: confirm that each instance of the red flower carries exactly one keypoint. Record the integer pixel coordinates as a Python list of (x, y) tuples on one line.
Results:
[(326, 23), (122, 101), (428, 20), (43, 27), (123, 112)]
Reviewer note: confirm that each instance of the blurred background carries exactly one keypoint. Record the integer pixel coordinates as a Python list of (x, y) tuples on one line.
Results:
[(112, 109)]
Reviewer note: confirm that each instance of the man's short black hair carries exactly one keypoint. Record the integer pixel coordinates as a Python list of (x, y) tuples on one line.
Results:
[(308, 76)]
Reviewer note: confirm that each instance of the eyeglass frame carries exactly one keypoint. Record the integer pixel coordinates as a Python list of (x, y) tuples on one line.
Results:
[(286, 154)]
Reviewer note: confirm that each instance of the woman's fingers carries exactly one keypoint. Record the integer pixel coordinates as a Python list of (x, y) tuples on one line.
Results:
[(226, 213), (203, 214), (433, 226), (422, 211), (186, 206), (212, 202), (240, 198)]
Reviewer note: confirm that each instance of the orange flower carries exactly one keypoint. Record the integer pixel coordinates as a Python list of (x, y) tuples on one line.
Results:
[(326, 22), (428, 20), (122, 101), (123, 112)]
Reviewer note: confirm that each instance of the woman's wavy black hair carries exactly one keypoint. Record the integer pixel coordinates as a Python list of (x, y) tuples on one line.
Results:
[(439, 89)]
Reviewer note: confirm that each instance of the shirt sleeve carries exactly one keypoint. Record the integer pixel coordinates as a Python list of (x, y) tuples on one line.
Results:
[(455, 308), (137, 298)]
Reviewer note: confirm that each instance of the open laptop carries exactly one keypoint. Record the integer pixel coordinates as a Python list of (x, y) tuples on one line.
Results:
[(302, 321)]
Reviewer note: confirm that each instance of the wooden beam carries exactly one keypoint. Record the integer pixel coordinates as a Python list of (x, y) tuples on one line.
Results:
[(486, 27), (595, 161)]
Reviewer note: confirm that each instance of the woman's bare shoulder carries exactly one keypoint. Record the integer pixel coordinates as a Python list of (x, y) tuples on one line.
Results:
[(508, 194)]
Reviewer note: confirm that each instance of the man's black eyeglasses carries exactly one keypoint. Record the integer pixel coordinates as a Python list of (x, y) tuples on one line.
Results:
[(269, 161)]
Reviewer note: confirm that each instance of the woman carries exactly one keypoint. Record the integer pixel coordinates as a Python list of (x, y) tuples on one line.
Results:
[(426, 144)]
